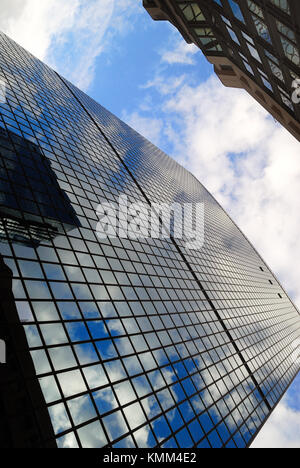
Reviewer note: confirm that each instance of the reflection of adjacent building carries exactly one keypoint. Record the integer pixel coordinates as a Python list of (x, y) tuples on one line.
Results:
[(24, 421), (32, 205), (33, 209), (253, 45)]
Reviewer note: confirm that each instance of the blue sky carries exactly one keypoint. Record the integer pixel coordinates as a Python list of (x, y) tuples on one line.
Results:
[(143, 72)]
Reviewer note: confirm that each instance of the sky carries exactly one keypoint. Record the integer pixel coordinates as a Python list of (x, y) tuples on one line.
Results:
[(145, 73)]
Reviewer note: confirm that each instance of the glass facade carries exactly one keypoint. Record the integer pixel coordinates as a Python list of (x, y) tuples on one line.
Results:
[(135, 342)]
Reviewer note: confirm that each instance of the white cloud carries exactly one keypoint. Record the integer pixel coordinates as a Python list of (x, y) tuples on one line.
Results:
[(281, 431), (165, 85), (86, 37), (70, 34), (33, 23), (180, 53)]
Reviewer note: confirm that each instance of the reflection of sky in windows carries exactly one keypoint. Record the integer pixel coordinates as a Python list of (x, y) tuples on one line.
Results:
[(236, 10), (127, 348)]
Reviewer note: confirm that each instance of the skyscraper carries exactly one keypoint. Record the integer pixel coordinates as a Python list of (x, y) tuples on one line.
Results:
[(253, 45), (134, 341)]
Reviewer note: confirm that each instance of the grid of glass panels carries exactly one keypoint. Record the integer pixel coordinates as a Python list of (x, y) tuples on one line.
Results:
[(137, 343), (249, 293)]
